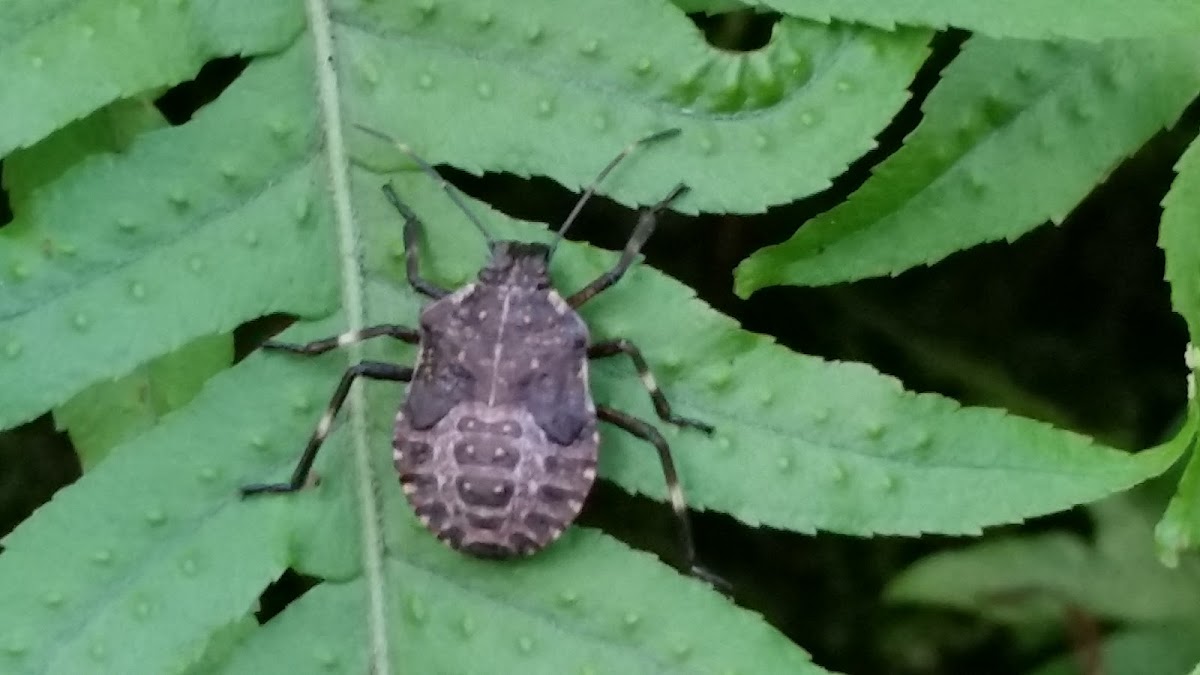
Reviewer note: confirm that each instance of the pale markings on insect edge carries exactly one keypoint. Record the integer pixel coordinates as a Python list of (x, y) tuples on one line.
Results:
[(349, 338), (499, 348), (648, 381), (1191, 358), (324, 425), (560, 305), (584, 377), (676, 494)]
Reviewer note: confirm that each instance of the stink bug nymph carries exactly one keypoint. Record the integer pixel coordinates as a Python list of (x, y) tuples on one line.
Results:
[(496, 442)]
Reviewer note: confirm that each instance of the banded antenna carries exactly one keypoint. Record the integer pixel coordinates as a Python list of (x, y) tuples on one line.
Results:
[(591, 190), (450, 190)]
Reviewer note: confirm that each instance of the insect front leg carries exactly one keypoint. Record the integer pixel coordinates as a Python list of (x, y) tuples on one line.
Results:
[(648, 433), (412, 247), (403, 333), (645, 227), (608, 348), (373, 370)]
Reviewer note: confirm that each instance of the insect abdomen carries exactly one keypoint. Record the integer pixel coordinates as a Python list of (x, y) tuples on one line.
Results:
[(486, 481)]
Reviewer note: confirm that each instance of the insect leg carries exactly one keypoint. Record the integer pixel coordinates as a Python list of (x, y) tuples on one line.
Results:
[(315, 347), (648, 433), (607, 348), (412, 246), (373, 370), (645, 227)]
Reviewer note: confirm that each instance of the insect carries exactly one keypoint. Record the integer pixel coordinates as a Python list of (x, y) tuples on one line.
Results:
[(496, 442)]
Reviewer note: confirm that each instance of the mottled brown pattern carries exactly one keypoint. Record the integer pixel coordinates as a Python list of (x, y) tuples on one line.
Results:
[(496, 442), (534, 503)]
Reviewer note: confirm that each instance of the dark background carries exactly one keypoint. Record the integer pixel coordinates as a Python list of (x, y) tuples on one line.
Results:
[(1070, 324)]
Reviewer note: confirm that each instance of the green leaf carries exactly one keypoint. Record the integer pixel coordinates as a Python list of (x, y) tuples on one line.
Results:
[(555, 613), (108, 413), (1023, 579), (1168, 649), (556, 92), (1179, 529), (1015, 133), (709, 6), (224, 643), (129, 257), (1082, 19), (112, 128), (153, 551), (61, 59), (826, 445), (1179, 240)]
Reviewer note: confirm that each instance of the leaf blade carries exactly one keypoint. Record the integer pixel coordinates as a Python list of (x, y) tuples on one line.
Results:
[(1077, 19), (110, 51), (758, 129), (114, 233), (157, 530), (551, 614), (1008, 118), (1026, 578), (1179, 529), (101, 416)]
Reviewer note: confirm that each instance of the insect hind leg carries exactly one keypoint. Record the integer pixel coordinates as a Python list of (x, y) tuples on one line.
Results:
[(648, 433), (373, 370), (402, 333)]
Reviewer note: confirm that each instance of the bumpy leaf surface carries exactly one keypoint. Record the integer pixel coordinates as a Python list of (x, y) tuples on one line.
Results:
[(103, 415), (1082, 19), (759, 128), (1015, 134), (552, 614)]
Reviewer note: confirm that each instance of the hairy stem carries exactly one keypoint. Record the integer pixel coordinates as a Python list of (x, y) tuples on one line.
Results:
[(352, 302)]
